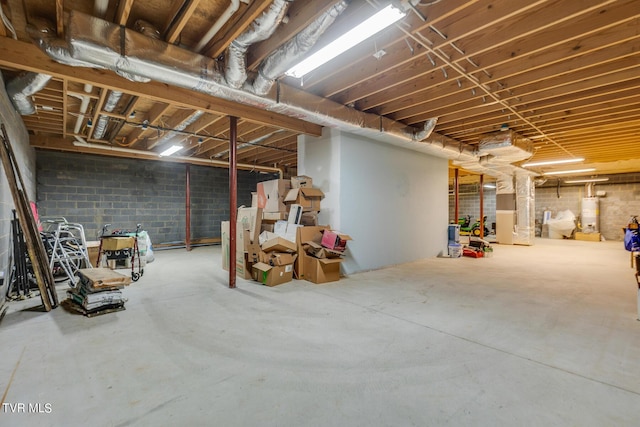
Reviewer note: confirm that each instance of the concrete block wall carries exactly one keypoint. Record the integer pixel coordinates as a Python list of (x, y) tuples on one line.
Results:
[(622, 200), (469, 203), (96, 190)]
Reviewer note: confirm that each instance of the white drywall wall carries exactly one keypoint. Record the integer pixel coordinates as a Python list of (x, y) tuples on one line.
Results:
[(393, 202)]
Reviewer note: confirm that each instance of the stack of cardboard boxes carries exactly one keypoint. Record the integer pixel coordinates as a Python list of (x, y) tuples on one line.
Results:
[(278, 238)]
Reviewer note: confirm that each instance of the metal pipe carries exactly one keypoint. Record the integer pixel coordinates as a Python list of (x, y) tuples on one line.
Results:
[(233, 199), (187, 238), (109, 105), (193, 160), (276, 64), (226, 15), (21, 88), (261, 29), (482, 206)]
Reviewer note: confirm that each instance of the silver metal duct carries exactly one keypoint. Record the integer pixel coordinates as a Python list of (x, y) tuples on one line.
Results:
[(97, 43), (276, 64), (525, 209), (180, 127), (109, 106), (22, 87), (261, 29)]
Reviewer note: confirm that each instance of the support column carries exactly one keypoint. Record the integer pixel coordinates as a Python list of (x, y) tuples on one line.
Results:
[(482, 206), (187, 238), (456, 195), (233, 198)]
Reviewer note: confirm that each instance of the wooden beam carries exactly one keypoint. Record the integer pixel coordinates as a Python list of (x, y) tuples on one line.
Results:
[(178, 18), (60, 18), (26, 56), (151, 118), (122, 14), (300, 14), (236, 26)]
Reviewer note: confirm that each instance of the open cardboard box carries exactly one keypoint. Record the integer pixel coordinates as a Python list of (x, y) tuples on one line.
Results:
[(308, 198), (272, 275)]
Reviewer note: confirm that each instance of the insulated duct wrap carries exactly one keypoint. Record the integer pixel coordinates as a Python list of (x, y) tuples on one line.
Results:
[(22, 87), (92, 42), (261, 29), (276, 64), (109, 106), (525, 213), (505, 147), (180, 127)]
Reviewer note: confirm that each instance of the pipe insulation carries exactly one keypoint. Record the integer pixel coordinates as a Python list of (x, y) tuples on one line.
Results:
[(261, 29), (96, 43), (282, 59), (21, 88), (109, 106)]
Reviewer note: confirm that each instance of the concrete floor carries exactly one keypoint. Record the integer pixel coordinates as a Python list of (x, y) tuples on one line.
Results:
[(544, 335)]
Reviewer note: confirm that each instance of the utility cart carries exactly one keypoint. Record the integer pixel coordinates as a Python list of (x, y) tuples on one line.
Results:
[(121, 247)]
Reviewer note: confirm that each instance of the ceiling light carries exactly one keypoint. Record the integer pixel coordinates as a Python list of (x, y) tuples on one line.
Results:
[(553, 162), (169, 151), (376, 23), (570, 171), (578, 181), (489, 186)]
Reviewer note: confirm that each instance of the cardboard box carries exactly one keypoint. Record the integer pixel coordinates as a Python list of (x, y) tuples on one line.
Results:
[(272, 275), (117, 243), (321, 270), (93, 248), (591, 237), (274, 216), (318, 251), (309, 198), (250, 219), (277, 258), (301, 181), (243, 266), (306, 234), (309, 218), (279, 244), (334, 240), (271, 194)]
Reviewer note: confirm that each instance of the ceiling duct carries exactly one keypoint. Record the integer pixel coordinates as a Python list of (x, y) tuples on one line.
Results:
[(92, 42), (276, 64), (21, 88), (180, 127), (505, 147), (109, 106), (261, 29)]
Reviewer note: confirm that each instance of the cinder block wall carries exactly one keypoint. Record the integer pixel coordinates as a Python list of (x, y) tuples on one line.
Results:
[(469, 203), (96, 190), (621, 201)]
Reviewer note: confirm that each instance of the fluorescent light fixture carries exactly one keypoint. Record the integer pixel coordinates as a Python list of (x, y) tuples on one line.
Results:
[(553, 162), (489, 186), (571, 171), (378, 22), (169, 151), (578, 181)]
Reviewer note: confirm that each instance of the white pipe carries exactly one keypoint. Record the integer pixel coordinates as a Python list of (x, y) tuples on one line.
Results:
[(226, 15), (194, 160), (83, 108)]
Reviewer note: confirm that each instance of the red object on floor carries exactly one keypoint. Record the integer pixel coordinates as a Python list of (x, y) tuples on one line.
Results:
[(471, 253)]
